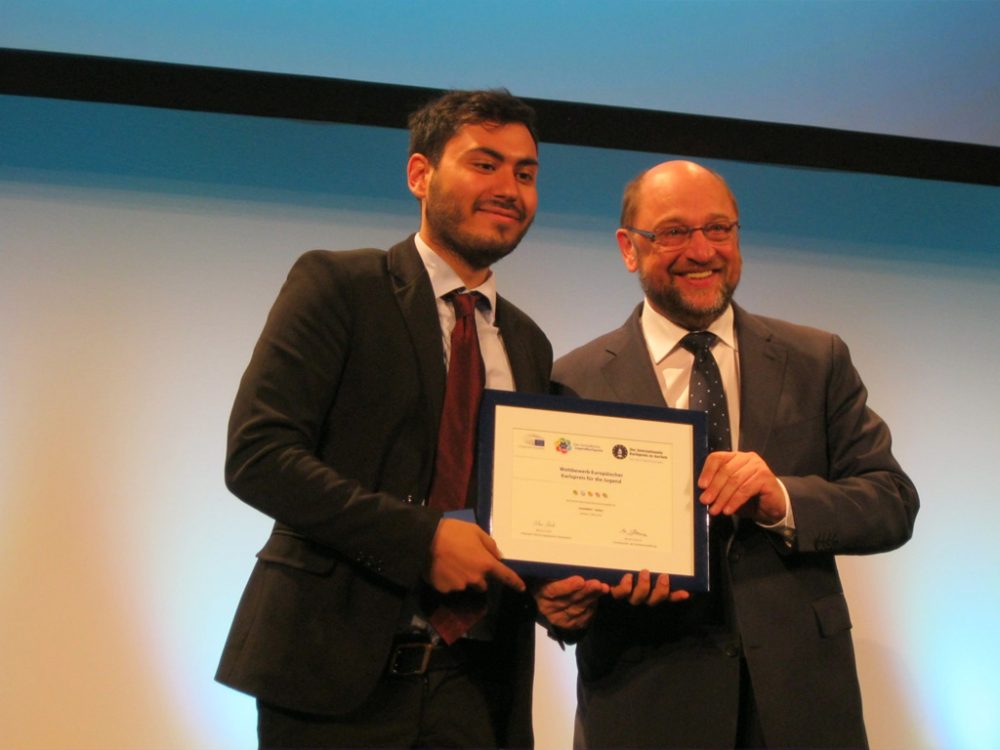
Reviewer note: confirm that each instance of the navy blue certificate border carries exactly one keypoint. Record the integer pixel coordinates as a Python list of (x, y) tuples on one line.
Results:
[(542, 569)]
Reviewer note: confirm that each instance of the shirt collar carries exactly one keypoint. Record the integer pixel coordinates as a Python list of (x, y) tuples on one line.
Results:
[(444, 279), (663, 335)]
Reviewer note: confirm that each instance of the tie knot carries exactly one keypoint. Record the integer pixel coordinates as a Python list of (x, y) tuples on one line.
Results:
[(698, 342), (464, 303)]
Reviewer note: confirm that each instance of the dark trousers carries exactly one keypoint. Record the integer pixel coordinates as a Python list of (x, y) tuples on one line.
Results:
[(748, 730), (444, 708)]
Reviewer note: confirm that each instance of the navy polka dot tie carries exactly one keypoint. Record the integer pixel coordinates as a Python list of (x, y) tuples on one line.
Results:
[(708, 395), (706, 391)]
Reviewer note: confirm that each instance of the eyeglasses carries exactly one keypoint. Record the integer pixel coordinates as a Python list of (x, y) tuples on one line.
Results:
[(678, 236)]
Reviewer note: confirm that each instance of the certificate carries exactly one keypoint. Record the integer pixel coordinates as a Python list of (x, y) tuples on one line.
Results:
[(569, 486)]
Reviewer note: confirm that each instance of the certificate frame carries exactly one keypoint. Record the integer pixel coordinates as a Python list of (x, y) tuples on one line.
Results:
[(621, 452)]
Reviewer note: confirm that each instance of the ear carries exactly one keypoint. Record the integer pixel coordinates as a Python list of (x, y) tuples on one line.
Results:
[(418, 174), (629, 255)]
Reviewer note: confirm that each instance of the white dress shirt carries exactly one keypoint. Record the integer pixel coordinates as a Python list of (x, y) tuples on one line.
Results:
[(444, 280), (672, 364)]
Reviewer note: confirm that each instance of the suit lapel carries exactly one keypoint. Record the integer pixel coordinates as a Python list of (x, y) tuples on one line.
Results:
[(627, 372), (415, 296), (522, 359), (762, 373)]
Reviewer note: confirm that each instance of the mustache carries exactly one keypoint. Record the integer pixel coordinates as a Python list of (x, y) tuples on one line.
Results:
[(693, 266), (510, 205)]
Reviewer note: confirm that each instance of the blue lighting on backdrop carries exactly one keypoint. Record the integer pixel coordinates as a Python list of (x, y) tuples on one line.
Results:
[(200, 215), (907, 67)]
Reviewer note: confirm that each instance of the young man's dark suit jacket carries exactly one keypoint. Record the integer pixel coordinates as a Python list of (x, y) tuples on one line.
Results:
[(334, 427), (669, 676)]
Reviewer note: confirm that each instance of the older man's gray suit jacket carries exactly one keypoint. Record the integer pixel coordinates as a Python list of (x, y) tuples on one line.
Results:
[(669, 676)]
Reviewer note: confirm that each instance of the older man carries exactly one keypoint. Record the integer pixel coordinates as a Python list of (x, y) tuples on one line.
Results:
[(800, 470)]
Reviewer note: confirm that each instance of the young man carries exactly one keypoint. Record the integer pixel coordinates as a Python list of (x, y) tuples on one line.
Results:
[(339, 433)]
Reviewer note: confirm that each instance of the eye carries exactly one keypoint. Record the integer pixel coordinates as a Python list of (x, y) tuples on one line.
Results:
[(526, 177), (484, 166), (673, 233)]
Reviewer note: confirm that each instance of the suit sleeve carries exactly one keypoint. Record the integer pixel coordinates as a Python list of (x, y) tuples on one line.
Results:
[(865, 503), (285, 419)]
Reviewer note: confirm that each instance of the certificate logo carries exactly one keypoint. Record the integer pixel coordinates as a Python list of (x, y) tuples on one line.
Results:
[(563, 445), (533, 441), (619, 451)]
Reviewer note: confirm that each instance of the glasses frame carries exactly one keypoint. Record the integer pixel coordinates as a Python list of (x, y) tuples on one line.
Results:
[(651, 236)]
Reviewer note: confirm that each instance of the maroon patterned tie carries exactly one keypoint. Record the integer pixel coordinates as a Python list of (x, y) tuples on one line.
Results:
[(462, 394), (456, 446)]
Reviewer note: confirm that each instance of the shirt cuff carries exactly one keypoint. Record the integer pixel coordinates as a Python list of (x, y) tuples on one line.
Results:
[(786, 526)]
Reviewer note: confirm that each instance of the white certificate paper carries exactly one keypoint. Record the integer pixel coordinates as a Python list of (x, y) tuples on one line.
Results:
[(569, 485)]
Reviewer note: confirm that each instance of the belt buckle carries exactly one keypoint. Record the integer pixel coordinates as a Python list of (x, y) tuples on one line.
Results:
[(398, 662)]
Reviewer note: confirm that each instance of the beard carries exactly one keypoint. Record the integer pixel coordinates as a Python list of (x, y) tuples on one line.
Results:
[(671, 303), (445, 218)]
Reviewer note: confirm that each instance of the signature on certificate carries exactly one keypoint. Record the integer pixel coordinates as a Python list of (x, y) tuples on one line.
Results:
[(543, 526), (633, 537)]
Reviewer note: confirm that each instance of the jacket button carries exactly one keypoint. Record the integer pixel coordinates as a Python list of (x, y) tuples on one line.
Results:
[(732, 650)]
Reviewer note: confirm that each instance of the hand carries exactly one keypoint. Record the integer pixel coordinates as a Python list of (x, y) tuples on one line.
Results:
[(741, 482), (571, 602), (645, 592), (463, 556)]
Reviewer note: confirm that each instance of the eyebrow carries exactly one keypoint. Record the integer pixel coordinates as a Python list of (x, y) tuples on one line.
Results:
[(525, 162), (712, 217)]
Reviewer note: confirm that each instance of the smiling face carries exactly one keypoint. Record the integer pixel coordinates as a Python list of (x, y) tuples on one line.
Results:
[(693, 284), (480, 198)]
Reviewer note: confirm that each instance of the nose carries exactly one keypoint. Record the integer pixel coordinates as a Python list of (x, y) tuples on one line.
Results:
[(505, 183), (698, 248)]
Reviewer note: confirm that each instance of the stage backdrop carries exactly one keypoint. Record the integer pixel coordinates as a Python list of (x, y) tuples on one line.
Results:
[(141, 250), (921, 68)]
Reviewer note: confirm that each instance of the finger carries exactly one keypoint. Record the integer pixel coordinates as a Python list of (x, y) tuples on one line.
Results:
[(571, 620), (581, 618), (735, 502), (713, 463), (589, 595), (576, 606), (589, 591), (600, 588), (641, 591), (724, 481), (591, 587), (663, 593), (660, 591), (624, 587), (744, 484), (563, 587), (506, 576), (489, 543), (730, 479)]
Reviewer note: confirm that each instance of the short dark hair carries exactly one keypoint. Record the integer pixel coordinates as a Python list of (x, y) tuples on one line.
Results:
[(437, 122)]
